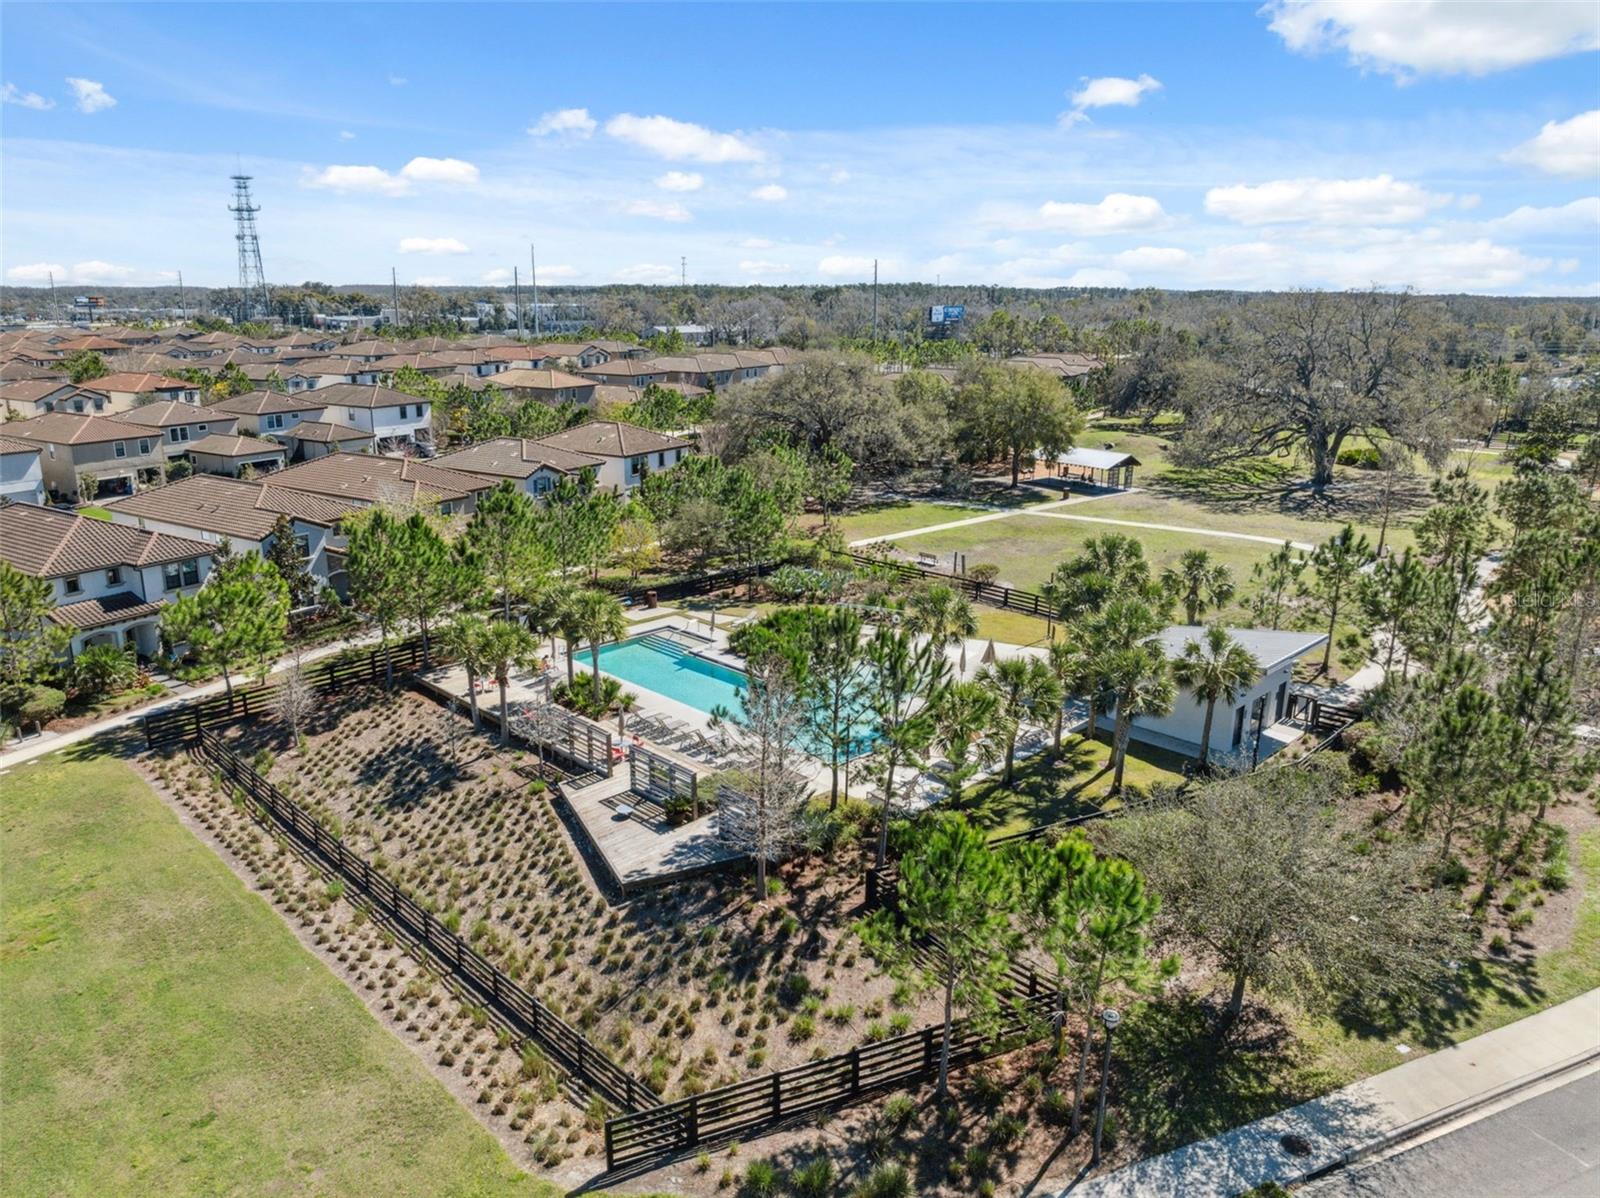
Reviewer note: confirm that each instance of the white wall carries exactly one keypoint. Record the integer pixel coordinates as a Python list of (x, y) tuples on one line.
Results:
[(1181, 730), (22, 477)]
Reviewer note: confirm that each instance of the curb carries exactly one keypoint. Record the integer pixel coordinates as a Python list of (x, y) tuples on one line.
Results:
[(1448, 1114)]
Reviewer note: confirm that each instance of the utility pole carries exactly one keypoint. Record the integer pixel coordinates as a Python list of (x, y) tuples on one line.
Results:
[(683, 273), (55, 312), (183, 307), (874, 301), (394, 294), (516, 287), (533, 265)]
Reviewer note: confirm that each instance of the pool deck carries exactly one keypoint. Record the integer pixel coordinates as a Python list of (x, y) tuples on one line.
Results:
[(641, 849)]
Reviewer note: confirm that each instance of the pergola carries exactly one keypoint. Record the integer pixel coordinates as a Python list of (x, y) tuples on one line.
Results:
[(1097, 467)]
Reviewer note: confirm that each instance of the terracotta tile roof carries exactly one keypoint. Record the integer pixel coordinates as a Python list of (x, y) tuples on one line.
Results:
[(17, 370), (137, 383), (539, 380), (364, 395), (73, 344), (324, 432), (612, 439), (234, 445), (108, 609), (165, 413), (322, 367), (33, 390), (71, 428), (261, 403), (368, 478), (231, 507), (622, 366), (48, 543), (12, 445), (516, 457)]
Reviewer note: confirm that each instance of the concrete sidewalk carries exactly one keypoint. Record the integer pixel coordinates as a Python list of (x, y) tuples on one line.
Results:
[(1361, 1114), (38, 746)]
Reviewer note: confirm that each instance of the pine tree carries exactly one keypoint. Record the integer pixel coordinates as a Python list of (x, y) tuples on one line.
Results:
[(1025, 691), (284, 553), (1337, 563), (1198, 582), (503, 537), (237, 621)]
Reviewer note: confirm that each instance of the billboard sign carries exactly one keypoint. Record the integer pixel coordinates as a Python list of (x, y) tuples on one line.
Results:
[(946, 313)]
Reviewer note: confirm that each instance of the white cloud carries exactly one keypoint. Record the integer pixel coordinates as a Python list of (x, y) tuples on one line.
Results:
[(90, 96), (1380, 200), (433, 281), (1153, 257), (1579, 216), (497, 276), (12, 94), (762, 268), (1092, 276), (757, 243), (574, 122), (1569, 148), (346, 135), (372, 179), (836, 266), (93, 271), (377, 181), (398, 81), (647, 272), (839, 176), (1106, 92), (432, 245), (681, 181), (440, 170), (558, 271), (1436, 37), (1469, 201), (770, 193), (658, 209), (1117, 213), (667, 138)]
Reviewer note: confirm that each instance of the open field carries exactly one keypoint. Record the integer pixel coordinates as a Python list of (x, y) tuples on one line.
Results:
[(691, 986), (164, 1033), (880, 519)]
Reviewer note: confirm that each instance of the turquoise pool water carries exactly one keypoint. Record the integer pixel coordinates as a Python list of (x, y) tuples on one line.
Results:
[(658, 664)]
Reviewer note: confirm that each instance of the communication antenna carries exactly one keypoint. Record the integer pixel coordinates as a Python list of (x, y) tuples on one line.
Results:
[(683, 272), (253, 294), (55, 312), (533, 265), (516, 288), (874, 299), (183, 306), (394, 295)]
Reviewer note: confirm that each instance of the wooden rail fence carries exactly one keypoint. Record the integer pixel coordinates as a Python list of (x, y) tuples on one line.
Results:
[(993, 594), (520, 1010)]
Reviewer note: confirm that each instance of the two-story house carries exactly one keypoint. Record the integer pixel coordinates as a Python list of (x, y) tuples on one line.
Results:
[(126, 391), (625, 372), (180, 425), (628, 453), (118, 456), (110, 582), (535, 467), (548, 386), (34, 397), (270, 413), (392, 417), (21, 475), (367, 479)]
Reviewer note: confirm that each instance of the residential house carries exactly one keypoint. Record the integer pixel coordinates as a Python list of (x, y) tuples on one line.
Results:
[(232, 453), (625, 372), (270, 413), (535, 467), (120, 457), (316, 438), (394, 418), (125, 391), (21, 474), (549, 386), (628, 453), (35, 397), (367, 479), (111, 582), (211, 508), (181, 424), (1236, 726)]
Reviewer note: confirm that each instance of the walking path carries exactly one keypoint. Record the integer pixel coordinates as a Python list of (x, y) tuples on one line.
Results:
[(38, 746), (1364, 1114), (1053, 511)]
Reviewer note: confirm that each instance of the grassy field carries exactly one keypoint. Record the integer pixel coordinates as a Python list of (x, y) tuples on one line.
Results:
[(884, 518), (163, 1033)]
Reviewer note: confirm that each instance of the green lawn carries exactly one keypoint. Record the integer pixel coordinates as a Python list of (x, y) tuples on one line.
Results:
[(885, 518), (163, 1033), (1045, 790), (1008, 627)]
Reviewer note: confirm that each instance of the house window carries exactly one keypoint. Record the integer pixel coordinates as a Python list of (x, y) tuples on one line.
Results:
[(201, 427), (541, 484), (1238, 728), (144, 447), (661, 459), (404, 411), (114, 576), (71, 585), (1283, 695), (302, 546), (635, 465), (178, 434), (182, 574), (120, 449), (275, 421)]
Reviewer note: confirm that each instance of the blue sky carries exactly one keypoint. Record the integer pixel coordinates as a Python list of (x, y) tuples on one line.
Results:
[(1337, 143)]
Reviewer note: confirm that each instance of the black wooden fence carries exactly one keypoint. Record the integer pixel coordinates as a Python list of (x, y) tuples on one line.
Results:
[(993, 594), (178, 724), (521, 1011)]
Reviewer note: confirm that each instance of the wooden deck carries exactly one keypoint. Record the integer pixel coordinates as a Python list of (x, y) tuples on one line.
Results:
[(641, 849)]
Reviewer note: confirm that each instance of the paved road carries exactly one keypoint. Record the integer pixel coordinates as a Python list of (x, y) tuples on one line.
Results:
[(1546, 1147)]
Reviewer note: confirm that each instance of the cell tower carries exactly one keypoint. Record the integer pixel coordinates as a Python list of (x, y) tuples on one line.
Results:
[(254, 299)]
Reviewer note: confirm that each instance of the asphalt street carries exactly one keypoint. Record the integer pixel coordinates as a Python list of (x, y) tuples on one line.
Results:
[(1545, 1147)]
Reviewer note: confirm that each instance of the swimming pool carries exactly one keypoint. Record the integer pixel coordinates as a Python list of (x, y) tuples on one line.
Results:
[(658, 664), (654, 662)]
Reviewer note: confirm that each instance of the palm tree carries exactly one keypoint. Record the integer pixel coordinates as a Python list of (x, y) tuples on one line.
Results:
[(463, 639), (1134, 670), (626, 702), (505, 647), (598, 617), (1025, 689), (944, 616), (547, 612), (1198, 583), (963, 718), (1216, 668), (1108, 567)]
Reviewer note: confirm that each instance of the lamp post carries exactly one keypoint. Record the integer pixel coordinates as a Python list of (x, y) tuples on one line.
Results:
[(1110, 1017)]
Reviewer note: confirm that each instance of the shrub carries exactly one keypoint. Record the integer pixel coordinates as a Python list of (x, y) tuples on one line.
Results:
[(886, 1181), (43, 704), (898, 1110), (102, 670), (760, 1180), (793, 988), (983, 572), (813, 1180)]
